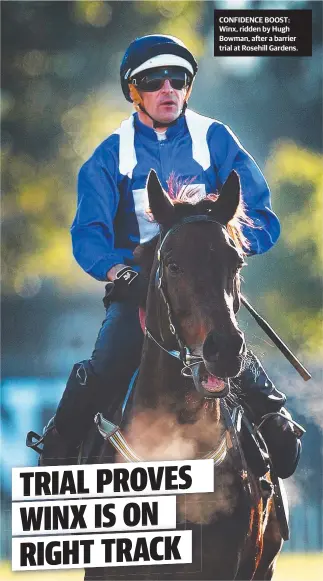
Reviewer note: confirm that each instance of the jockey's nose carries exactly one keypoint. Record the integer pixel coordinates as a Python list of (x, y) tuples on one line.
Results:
[(167, 87)]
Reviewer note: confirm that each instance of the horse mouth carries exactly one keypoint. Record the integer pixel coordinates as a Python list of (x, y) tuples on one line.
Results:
[(213, 384), (209, 385)]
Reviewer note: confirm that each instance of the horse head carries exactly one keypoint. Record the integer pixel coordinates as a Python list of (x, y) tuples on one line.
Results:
[(194, 283)]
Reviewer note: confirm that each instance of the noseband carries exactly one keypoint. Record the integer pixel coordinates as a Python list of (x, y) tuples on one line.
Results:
[(183, 353)]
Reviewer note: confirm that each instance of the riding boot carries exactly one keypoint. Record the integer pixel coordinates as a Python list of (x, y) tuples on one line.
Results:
[(263, 404), (65, 432), (77, 407)]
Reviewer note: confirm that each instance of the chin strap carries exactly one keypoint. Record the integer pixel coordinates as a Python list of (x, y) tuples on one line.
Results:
[(139, 106)]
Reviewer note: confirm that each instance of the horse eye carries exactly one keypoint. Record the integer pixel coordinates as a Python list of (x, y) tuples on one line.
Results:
[(174, 268)]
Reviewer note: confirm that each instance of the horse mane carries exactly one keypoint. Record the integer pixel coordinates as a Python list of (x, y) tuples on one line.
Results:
[(235, 228)]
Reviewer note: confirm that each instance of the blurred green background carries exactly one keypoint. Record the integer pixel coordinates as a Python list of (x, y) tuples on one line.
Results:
[(60, 98)]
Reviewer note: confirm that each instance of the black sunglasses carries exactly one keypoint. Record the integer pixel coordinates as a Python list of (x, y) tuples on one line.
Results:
[(152, 81)]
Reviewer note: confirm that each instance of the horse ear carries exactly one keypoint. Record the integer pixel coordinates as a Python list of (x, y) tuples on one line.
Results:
[(160, 203), (227, 204)]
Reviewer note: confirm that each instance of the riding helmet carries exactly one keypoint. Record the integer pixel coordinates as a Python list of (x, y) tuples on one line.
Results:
[(154, 50)]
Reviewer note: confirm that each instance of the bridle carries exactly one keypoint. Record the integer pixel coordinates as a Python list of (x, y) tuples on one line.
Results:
[(183, 353), (110, 431)]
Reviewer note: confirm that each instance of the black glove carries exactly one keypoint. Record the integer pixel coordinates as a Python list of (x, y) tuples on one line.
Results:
[(126, 285)]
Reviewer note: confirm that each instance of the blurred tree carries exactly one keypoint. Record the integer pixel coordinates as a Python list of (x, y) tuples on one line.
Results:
[(266, 98), (289, 289)]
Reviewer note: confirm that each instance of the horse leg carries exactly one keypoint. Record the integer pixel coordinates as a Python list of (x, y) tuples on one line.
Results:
[(272, 544)]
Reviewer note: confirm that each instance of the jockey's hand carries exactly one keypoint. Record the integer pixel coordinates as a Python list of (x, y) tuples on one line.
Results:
[(127, 284)]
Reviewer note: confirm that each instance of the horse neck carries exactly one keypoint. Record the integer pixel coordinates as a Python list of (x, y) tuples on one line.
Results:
[(168, 409), (169, 424), (166, 398)]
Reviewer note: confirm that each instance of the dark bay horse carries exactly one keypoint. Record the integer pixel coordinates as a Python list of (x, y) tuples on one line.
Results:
[(185, 391)]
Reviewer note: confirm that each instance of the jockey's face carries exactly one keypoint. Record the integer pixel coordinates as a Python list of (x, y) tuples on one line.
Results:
[(164, 105)]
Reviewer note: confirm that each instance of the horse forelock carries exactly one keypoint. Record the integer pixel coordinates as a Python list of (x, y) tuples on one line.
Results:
[(179, 189)]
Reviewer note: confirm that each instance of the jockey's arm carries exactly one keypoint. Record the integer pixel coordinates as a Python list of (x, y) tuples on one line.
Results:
[(93, 229), (228, 154)]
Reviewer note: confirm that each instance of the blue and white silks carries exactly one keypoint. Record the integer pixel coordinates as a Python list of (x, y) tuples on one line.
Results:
[(112, 216)]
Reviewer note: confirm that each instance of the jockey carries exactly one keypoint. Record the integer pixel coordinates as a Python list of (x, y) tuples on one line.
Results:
[(157, 74)]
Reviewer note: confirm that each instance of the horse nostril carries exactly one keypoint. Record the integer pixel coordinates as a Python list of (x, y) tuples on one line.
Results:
[(238, 344), (223, 354), (212, 346), (216, 343)]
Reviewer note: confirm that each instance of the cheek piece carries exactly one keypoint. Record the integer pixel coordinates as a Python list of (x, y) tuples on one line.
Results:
[(139, 105)]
